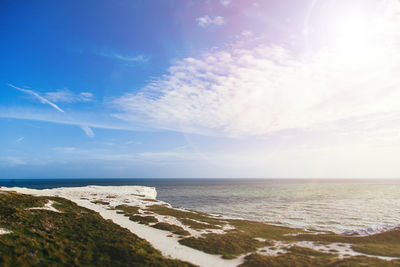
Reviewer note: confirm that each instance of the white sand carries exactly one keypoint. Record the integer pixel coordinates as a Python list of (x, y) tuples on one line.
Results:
[(47, 206), (135, 196), (343, 250), (161, 240), (4, 231)]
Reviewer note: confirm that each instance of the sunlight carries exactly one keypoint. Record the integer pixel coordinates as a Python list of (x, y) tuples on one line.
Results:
[(351, 33), (354, 36), (355, 40)]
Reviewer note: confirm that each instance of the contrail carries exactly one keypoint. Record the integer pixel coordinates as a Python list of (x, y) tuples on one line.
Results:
[(88, 131), (41, 98)]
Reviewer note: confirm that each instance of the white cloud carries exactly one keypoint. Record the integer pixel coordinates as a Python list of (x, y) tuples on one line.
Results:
[(11, 161), (88, 131), (111, 54), (85, 96), (247, 33), (225, 2), (19, 140), (131, 142), (247, 91), (206, 21), (68, 96), (68, 149), (36, 95), (98, 120), (59, 96)]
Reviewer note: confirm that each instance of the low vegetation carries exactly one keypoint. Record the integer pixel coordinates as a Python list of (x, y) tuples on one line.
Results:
[(303, 258), (143, 219), (127, 210), (381, 244), (149, 200), (102, 202), (79, 236), (175, 229), (74, 237), (187, 217), (198, 225), (228, 245), (250, 237)]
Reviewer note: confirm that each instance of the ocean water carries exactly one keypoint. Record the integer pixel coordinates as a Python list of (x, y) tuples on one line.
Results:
[(333, 205)]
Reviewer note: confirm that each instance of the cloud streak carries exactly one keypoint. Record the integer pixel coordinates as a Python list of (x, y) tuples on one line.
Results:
[(225, 3), (67, 96), (88, 131), (111, 54), (36, 95), (206, 21), (76, 119), (64, 96), (11, 161)]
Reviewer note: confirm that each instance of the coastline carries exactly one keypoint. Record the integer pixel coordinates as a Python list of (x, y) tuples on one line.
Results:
[(168, 246), (105, 199), (298, 204)]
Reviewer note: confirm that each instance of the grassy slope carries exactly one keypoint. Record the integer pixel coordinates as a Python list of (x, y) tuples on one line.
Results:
[(241, 240), (382, 244), (75, 237), (79, 236)]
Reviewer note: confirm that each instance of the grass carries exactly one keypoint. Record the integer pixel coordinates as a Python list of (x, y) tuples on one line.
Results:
[(74, 237), (175, 229), (185, 215), (242, 240), (102, 202), (309, 252), (150, 199), (266, 231), (239, 241), (303, 259), (127, 210), (228, 245), (382, 244), (197, 225), (143, 219)]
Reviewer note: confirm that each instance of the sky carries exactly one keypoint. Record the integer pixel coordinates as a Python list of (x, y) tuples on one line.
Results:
[(200, 89)]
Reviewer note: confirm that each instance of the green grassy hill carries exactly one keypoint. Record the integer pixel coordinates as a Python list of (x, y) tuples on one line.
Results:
[(75, 236)]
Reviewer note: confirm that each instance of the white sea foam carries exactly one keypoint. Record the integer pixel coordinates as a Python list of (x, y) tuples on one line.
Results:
[(362, 207), (371, 230)]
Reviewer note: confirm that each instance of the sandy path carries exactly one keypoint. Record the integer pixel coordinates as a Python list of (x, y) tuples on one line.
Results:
[(169, 246)]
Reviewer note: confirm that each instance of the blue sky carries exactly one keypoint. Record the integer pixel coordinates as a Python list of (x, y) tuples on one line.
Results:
[(205, 88)]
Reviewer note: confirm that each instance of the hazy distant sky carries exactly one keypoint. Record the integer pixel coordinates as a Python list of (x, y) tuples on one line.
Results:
[(200, 88)]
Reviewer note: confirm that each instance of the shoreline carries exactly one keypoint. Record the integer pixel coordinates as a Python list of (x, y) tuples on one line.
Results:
[(304, 207), (168, 246), (104, 199)]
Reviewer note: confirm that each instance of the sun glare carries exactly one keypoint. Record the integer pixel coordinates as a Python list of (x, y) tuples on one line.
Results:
[(354, 40), (352, 34)]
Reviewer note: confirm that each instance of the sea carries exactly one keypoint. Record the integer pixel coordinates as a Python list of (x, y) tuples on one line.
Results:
[(338, 205)]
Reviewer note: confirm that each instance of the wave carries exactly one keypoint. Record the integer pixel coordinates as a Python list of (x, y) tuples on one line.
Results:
[(371, 230)]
